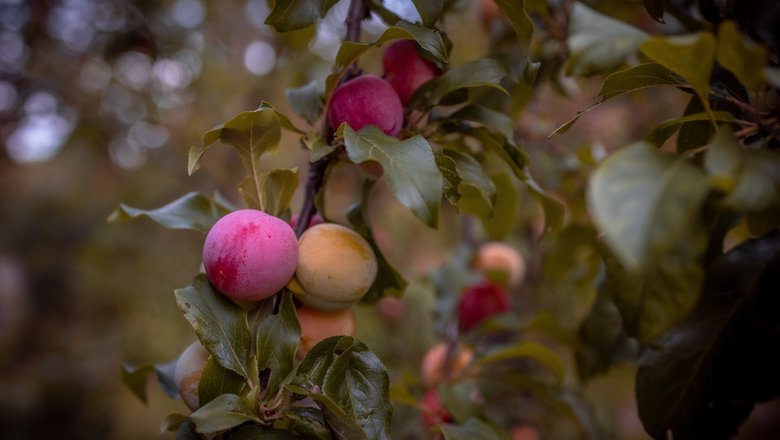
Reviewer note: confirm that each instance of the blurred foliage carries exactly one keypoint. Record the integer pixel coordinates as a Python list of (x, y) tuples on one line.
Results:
[(101, 99)]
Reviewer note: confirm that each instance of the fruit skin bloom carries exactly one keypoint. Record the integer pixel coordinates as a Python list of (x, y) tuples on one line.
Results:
[(366, 100), (250, 255), (480, 302)]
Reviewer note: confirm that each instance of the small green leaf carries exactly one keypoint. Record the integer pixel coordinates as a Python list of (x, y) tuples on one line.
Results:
[(485, 72), (603, 341), (339, 421), (172, 422), (409, 165), (666, 129), (306, 101), (225, 412), (749, 178), (251, 133), (472, 429), (741, 56), (599, 43), (278, 338), (430, 11), (191, 211), (291, 15), (507, 151), (527, 350), (521, 22), (220, 324), (307, 422), (135, 378), (216, 380), (493, 120), (277, 189), (477, 192), (388, 281), (629, 80), (690, 56), (317, 146)]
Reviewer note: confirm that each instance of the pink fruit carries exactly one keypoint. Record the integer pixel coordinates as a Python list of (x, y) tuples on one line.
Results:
[(479, 302), (250, 255), (366, 100), (405, 69)]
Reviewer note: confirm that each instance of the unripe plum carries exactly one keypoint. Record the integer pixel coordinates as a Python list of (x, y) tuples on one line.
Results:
[(405, 69), (433, 364), (479, 302), (366, 100), (317, 325), (187, 372), (499, 258), (433, 411), (249, 255), (336, 266)]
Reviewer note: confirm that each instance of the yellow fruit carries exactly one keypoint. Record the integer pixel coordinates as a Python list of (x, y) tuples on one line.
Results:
[(501, 262), (336, 267), (187, 372)]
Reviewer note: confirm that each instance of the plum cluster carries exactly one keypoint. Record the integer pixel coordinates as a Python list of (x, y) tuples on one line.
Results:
[(373, 100), (502, 268), (249, 256)]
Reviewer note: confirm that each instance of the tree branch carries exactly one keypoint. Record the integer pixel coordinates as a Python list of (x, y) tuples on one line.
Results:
[(314, 182)]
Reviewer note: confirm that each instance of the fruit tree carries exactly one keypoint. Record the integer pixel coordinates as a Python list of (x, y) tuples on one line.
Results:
[(573, 253)]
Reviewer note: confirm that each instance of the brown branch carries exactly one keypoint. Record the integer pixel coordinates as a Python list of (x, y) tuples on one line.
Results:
[(316, 175)]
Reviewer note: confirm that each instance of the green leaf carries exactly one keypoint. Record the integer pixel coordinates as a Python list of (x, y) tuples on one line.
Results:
[(507, 151), (340, 422), (704, 377), (477, 192), (291, 15), (191, 211), (750, 179), (278, 338), (216, 380), (666, 129), (629, 80), (492, 120), (251, 133), (527, 350), (690, 56), (259, 432), (648, 205), (696, 133), (352, 381), (225, 412), (135, 379), (485, 72), (656, 9), (409, 166), (388, 281), (472, 429), (449, 173), (430, 40), (308, 422), (505, 212), (221, 326), (646, 202), (172, 422), (602, 338), (306, 101), (553, 208), (430, 10), (277, 189), (521, 22), (741, 56), (598, 43)]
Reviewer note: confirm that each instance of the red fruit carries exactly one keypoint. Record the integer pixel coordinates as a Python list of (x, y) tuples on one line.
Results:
[(433, 410), (405, 69), (366, 100), (316, 219), (479, 302)]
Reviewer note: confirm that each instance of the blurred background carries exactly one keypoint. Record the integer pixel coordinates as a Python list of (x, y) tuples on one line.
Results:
[(100, 101)]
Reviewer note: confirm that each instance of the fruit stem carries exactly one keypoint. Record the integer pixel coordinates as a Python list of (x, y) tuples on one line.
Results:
[(316, 177)]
